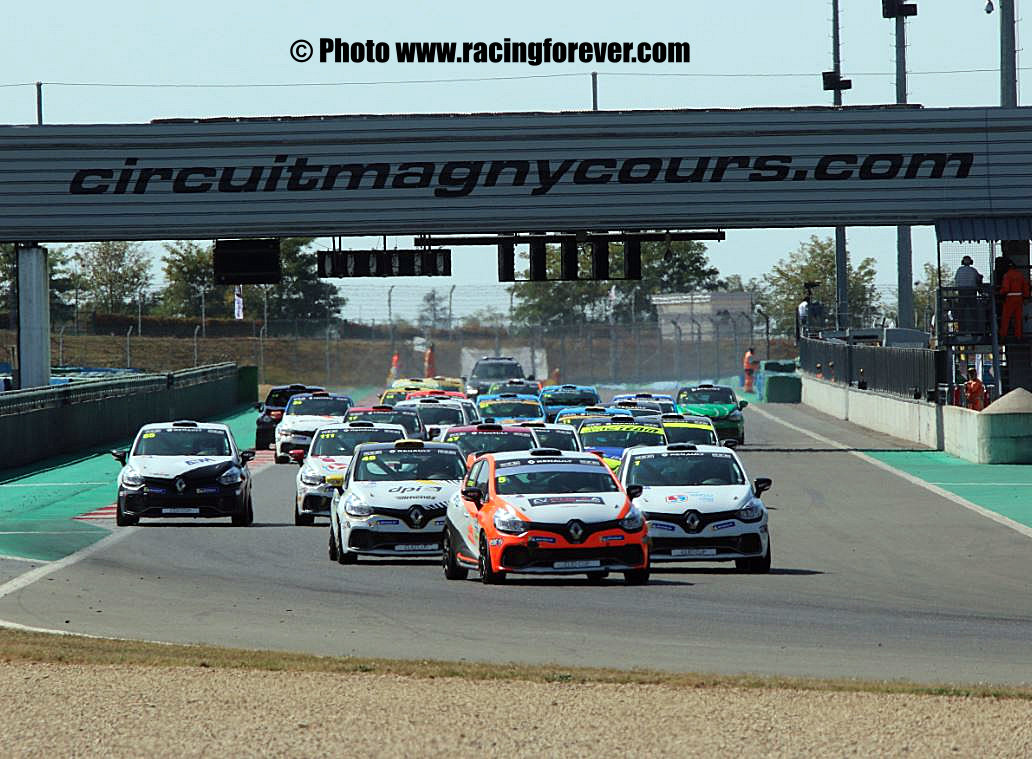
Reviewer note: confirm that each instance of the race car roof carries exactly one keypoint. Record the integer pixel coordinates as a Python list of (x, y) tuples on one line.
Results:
[(678, 448), (321, 394), (508, 397), (407, 444), (185, 424), (503, 456), (489, 427), (360, 425)]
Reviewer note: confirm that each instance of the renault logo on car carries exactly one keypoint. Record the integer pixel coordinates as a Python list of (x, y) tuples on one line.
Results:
[(692, 521), (576, 530), (416, 515), (180, 484)]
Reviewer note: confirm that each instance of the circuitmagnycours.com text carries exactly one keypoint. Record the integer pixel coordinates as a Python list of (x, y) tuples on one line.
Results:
[(537, 53)]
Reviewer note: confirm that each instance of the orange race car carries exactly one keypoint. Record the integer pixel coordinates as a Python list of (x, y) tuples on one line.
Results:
[(545, 511)]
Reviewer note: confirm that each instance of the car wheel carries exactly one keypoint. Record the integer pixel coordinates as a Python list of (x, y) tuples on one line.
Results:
[(344, 556), (332, 551), (282, 458), (636, 576), (487, 574), (597, 577), (122, 520), (755, 565), (452, 570), (302, 520)]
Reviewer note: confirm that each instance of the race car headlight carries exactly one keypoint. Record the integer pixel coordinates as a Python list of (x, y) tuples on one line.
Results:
[(633, 521), (356, 507), (232, 476), (471, 390), (131, 478), (506, 522), (310, 477), (750, 512), (285, 430)]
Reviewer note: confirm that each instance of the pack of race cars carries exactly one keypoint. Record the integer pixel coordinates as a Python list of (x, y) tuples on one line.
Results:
[(501, 481)]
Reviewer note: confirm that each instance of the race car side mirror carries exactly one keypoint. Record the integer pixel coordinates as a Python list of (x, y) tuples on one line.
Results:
[(120, 455), (470, 459), (762, 484), (474, 494), (335, 481), (729, 443), (635, 491), (259, 406), (246, 456), (297, 455), (742, 404)]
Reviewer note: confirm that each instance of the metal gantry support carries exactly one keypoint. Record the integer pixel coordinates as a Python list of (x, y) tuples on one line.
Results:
[(33, 279), (698, 346), (196, 354), (677, 352), (128, 349)]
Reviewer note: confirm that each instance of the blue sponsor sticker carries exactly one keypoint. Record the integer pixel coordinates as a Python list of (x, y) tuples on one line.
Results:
[(661, 526), (387, 521), (151, 489), (543, 540), (496, 541), (723, 525), (608, 538), (204, 491)]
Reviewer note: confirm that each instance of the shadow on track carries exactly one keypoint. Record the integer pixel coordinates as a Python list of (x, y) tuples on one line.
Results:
[(730, 570)]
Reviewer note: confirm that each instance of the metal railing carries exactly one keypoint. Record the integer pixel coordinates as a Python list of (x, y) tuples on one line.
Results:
[(87, 391), (909, 372)]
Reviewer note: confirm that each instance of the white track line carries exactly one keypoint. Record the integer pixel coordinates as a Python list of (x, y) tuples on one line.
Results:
[(998, 518), (5, 557), (23, 581)]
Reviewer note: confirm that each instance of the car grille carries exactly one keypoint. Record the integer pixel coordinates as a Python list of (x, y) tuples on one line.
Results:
[(749, 543), (523, 557), (369, 540), (681, 520), (590, 528), (430, 512)]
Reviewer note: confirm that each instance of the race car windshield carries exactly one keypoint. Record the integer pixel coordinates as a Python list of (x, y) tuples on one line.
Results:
[(667, 407), (343, 442), (706, 395), (557, 479), (406, 419), (183, 442), (510, 408), (387, 466), (319, 406), (440, 415), (667, 469), (570, 398), (564, 440), (498, 371), (393, 396), (620, 435), (491, 442), (677, 433), (279, 398), (635, 406)]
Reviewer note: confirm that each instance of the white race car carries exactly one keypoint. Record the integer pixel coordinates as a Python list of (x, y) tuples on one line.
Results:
[(437, 413), (330, 453), (392, 499), (552, 435), (304, 414), (700, 505)]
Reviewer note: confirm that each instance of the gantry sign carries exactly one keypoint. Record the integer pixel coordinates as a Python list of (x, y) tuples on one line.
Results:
[(512, 172)]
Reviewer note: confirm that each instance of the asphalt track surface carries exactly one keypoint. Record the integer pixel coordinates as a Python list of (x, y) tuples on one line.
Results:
[(874, 577)]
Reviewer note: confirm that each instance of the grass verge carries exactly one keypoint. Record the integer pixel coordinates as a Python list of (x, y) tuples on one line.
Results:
[(22, 646)]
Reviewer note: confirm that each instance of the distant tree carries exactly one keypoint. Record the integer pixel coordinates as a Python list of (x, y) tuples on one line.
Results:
[(924, 296), (301, 294), (188, 272), (814, 261), (484, 318), (62, 281), (433, 312), (113, 274)]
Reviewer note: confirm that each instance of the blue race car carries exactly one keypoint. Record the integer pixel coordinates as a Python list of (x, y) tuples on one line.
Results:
[(555, 398), (511, 408), (576, 414)]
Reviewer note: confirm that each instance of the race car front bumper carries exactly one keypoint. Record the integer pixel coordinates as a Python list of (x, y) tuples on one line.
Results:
[(380, 535), (551, 553), (200, 501), (721, 540), (314, 500), (287, 443)]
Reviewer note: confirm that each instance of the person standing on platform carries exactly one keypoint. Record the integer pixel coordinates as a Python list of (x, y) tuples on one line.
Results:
[(974, 391), (1014, 289), (749, 364)]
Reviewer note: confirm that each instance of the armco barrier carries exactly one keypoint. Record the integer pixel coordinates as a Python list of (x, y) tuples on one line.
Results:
[(44, 422)]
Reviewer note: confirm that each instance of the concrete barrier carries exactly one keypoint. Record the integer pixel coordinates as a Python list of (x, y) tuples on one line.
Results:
[(978, 437), (42, 423)]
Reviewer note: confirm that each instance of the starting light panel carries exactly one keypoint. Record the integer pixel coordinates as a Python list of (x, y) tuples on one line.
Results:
[(247, 262), (385, 263)]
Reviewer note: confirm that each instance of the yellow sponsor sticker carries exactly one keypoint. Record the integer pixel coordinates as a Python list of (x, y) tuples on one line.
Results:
[(502, 479), (150, 434)]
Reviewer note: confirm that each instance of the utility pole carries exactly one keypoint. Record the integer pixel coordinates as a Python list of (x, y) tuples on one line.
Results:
[(594, 90), (39, 103), (139, 313), (204, 325), (1008, 56), (451, 293), (833, 81), (390, 313), (899, 10)]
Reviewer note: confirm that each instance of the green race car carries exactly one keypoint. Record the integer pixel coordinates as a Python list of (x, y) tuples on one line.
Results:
[(719, 403)]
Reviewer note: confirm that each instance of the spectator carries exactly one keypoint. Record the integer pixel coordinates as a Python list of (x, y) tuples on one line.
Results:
[(966, 280), (974, 391)]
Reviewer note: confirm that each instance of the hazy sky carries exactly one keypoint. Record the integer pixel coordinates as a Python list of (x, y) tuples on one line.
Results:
[(744, 53)]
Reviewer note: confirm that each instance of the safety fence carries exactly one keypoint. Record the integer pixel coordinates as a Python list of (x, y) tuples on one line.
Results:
[(909, 372)]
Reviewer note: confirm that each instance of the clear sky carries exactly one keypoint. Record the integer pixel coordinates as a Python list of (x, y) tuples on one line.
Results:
[(744, 53)]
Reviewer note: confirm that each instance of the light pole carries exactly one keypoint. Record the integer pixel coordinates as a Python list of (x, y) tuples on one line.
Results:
[(451, 293), (698, 346), (677, 354), (833, 81), (195, 352), (766, 328), (128, 353), (390, 316)]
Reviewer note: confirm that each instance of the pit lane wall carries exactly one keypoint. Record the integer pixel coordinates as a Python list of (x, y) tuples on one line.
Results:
[(45, 422), (977, 437)]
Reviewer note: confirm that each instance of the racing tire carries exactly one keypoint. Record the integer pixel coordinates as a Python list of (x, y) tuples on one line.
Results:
[(344, 556), (302, 520), (282, 458), (596, 578), (332, 550), (636, 577), (245, 519), (487, 574), (262, 442), (122, 520), (755, 565), (452, 570)]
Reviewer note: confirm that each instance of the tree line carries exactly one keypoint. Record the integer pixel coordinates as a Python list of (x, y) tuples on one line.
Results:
[(116, 277)]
